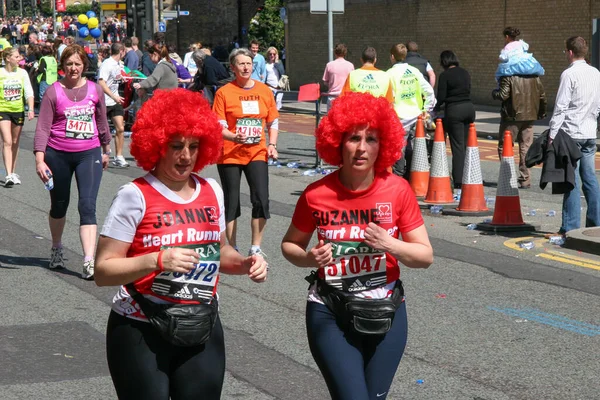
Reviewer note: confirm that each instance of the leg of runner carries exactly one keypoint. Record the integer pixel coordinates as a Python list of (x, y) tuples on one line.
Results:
[(119, 139), (337, 354), (6, 131), (257, 176), (382, 356), (231, 175)]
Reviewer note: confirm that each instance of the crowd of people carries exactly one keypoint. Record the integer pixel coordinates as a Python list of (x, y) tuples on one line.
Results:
[(194, 112)]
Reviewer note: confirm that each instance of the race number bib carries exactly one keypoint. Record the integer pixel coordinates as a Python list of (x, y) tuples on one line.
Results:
[(198, 284), (251, 127), (356, 267), (12, 91), (80, 127)]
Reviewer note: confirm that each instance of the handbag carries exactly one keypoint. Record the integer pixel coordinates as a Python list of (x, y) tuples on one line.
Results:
[(284, 83), (184, 325), (360, 315)]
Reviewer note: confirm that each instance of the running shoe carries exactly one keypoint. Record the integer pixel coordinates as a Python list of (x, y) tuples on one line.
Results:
[(16, 179), (8, 181), (88, 270), (120, 162), (56, 259), (257, 251)]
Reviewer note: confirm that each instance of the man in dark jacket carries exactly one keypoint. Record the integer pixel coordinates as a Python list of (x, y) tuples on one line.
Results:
[(414, 59), (523, 101)]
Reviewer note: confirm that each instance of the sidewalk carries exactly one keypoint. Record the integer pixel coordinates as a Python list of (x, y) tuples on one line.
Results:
[(487, 119)]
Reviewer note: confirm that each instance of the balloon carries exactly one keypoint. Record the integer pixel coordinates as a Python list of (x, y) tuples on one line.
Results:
[(82, 18), (90, 14), (92, 22), (96, 33), (84, 32)]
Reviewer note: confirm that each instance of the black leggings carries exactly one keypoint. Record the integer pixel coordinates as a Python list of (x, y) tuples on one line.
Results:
[(355, 366), (145, 366), (457, 118), (87, 166), (257, 176)]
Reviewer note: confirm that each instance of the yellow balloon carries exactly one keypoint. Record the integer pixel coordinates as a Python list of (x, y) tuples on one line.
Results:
[(82, 18), (92, 22)]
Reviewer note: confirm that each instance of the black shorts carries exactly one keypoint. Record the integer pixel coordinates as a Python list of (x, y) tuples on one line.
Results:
[(115, 111), (17, 118)]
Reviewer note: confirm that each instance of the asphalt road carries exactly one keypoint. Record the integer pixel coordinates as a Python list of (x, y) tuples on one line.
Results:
[(486, 321)]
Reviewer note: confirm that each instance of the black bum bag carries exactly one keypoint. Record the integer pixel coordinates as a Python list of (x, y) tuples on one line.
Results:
[(182, 325), (363, 316)]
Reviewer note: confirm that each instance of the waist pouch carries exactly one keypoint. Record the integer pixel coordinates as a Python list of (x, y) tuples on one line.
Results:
[(360, 315), (182, 325)]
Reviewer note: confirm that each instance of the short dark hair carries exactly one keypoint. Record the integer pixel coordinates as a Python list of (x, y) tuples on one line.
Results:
[(398, 51), (115, 49), (369, 55), (127, 42), (578, 46), (511, 32), (448, 58), (340, 50), (412, 46), (254, 41)]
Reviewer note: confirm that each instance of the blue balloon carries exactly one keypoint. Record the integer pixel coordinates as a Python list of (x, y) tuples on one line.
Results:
[(96, 33), (90, 14), (84, 32)]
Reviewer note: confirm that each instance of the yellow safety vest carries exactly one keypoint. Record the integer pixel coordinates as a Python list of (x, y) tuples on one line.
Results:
[(371, 81), (408, 98)]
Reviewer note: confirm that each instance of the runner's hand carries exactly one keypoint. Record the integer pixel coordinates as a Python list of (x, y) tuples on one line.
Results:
[(179, 260), (41, 168), (119, 99), (272, 152), (30, 115), (105, 160), (376, 237), (322, 254), (240, 138), (257, 268)]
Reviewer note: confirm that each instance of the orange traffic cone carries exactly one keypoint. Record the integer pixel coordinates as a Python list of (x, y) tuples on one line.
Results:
[(472, 199), (419, 166), (507, 214), (439, 190)]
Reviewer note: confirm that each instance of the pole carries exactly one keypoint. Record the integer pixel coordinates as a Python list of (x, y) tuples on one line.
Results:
[(330, 29), (178, 32), (54, 14), (21, 8)]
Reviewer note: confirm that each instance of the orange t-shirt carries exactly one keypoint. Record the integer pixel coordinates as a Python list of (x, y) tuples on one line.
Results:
[(247, 110)]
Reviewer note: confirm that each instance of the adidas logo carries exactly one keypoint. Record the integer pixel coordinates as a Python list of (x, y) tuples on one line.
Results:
[(369, 78), (184, 293), (407, 72), (356, 286)]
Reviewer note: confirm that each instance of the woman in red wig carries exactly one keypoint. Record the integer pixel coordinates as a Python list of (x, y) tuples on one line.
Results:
[(163, 241), (368, 223)]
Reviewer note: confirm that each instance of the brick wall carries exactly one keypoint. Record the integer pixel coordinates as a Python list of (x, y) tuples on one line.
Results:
[(471, 28)]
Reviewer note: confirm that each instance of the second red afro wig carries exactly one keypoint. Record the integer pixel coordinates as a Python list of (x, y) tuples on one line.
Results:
[(357, 109), (172, 113)]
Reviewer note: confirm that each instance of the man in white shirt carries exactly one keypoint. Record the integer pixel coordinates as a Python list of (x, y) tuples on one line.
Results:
[(109, 78), (336, 73), (576, 114)]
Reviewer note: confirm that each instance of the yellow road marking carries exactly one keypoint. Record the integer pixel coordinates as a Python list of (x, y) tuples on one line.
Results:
[(553, 254)]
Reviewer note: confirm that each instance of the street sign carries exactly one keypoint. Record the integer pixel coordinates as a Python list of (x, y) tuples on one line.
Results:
[(320, 6), (181, 12), (169, 14), (162, 27)]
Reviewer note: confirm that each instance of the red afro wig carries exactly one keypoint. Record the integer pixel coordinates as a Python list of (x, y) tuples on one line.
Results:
[(358, 109), (171, 113)]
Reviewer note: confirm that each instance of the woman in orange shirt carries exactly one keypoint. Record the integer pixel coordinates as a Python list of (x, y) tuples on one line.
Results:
[(247, 111)]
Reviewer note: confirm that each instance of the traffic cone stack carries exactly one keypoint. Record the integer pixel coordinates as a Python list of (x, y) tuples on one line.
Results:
[(507, 214), (472, 199), (439, 190), (419, 166)]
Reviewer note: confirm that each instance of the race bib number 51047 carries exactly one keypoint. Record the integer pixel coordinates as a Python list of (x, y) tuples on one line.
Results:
[(356, 267)]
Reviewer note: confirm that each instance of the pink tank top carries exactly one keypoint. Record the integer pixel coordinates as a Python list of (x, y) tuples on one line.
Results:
[(74, 124)]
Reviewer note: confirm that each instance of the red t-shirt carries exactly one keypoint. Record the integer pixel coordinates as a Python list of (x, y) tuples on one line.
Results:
[(340, 217)]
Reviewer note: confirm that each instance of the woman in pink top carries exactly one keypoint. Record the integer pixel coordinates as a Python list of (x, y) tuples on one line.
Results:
[(72, 127)]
